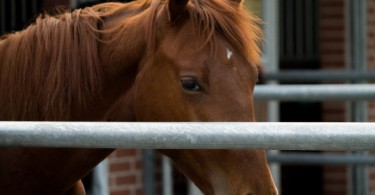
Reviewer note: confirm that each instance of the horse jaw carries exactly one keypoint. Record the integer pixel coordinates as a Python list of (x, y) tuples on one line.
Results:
[(223, 172)]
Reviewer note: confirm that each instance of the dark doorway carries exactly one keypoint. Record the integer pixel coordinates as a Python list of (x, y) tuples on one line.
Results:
[(296, 179), (299, 38)]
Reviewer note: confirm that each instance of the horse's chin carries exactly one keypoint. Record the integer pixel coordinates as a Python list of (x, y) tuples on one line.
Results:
[(221, 191), (222, 188), (225, 172)]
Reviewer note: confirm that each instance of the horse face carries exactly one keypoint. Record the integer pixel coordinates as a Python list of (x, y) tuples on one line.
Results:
[(187, 82)]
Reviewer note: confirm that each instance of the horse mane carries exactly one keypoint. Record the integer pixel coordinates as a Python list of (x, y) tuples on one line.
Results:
[(50, 67)]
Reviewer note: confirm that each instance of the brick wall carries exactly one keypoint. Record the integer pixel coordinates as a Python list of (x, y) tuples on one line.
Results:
[(125, 166), (332, 50), (371, 49), (371, 66), (371, 35), (332, 33)]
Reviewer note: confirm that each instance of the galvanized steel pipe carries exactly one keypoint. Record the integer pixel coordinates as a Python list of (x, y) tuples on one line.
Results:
[(282, 136), (315, 92), (287, 158), (318, 76)]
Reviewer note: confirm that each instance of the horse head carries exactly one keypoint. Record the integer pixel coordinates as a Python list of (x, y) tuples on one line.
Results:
[(195, 61)]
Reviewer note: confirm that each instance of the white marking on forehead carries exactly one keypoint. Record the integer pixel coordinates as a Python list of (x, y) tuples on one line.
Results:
[(229, 53)]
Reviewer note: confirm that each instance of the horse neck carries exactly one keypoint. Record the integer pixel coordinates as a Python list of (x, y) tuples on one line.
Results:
[(122, 51), (123, 41)]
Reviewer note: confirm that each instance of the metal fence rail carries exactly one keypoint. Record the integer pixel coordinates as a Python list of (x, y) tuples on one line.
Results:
[(283, 136), (315, 92), (318, 76), (320, 159)]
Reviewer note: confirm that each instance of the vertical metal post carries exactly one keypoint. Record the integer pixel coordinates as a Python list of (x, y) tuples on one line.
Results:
[(271, 49), (271, 64), (100, 179), (193, 189), (148, 172), (167, 176), (358, 63)]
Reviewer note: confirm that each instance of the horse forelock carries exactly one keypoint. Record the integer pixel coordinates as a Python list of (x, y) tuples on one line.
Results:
[(233, 22), (216, 17), (50, 67)]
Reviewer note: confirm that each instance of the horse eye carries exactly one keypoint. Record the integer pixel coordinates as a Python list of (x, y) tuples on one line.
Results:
[(190, 84)]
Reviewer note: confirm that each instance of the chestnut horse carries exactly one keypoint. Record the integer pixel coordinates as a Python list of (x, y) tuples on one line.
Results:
[(148, 60)]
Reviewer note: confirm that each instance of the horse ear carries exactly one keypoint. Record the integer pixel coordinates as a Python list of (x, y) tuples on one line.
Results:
[(177, 10)]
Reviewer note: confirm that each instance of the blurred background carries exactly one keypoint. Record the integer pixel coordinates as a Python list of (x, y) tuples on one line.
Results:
[(302, 37)]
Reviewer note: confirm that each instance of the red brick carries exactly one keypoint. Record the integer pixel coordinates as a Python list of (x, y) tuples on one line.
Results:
[(113, 167), (332, 4), (331, 27), (139, 165), (126, 180), (122, 192), (334, 169), (139, 192), (336, 182), (126, 152), (329, 51)]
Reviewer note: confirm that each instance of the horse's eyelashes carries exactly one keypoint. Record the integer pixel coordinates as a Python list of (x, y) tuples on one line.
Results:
[(190, 84)]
